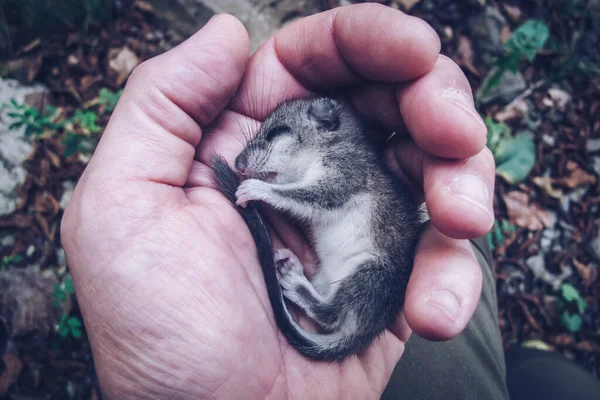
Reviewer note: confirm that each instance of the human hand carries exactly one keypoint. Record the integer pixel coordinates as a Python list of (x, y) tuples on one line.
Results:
[(164, 268)]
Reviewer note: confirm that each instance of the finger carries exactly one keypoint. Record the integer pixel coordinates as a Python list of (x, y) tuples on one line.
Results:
[(401, 328), (459, 194), (444, 287), (201, 176), (377, 103), (439, 112), (155, 127), (337, 48), (226, 136)]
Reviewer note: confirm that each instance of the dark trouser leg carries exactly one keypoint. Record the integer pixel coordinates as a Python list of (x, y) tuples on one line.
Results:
[(536, 374), (470, 366)]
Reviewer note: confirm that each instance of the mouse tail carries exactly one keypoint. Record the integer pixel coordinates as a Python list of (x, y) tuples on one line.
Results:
[(331, 346)]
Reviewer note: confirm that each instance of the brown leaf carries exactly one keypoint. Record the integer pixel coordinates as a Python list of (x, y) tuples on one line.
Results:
[(530, 319), (545, 183), (143, 6), (23, 69), (122, 61), (465, 54), (587, 273), (54, 158), (87, 81), (32, 45), (407, 4), (46, 203), (514, 12), (578, 177), (23, 221), (587, 346), (562, 340), (505, 33), (49, 229), (12, 370), (526, 215), (26, 297)]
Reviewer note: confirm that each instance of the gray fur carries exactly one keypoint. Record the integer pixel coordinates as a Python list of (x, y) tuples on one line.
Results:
[(313, 158)]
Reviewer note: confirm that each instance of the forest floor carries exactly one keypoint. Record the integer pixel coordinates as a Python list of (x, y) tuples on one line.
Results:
[(534, 65)]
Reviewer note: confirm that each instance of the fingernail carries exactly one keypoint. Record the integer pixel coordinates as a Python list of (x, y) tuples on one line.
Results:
[(461, 99), (445, 301), (472, 189)]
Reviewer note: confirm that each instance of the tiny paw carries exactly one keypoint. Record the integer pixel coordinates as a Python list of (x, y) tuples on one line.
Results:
[(288, 263), (250, 190)]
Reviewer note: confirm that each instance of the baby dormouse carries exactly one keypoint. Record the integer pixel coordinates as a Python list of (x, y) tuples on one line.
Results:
[(314, 160)]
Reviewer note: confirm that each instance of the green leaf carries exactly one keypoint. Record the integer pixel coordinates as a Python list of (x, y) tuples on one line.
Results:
[(109, 99), (515, 157), (76, 332), (497, 131), (571, 321), (68, 284), (59, 295), (528, 39), (498, 232), (74, 322), (51, 110), (490, 239), (507, 226), (15, 125), (570, 294)]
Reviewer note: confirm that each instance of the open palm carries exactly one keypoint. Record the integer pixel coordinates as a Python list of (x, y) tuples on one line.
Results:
[(165, 269)]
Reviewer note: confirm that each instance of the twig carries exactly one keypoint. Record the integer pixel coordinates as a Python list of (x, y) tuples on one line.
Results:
[(525, 94)]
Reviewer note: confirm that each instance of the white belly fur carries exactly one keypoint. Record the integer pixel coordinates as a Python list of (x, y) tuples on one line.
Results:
[(343, 242)]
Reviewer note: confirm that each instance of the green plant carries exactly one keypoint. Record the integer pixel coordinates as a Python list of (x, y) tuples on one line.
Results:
[(76, 132), (515, 155), (109, 99), (87, 121), (7, 260), (69, 326), (525, 43), (35, 123), (497, 235), (62, 291), (571, 306)]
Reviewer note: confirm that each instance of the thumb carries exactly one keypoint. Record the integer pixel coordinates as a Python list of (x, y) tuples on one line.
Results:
[(158, 122)]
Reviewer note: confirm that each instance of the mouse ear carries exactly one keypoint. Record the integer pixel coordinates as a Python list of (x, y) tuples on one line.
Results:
[(324, 114)]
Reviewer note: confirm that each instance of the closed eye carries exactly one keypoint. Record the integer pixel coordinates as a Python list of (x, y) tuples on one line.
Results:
[(277, 131)]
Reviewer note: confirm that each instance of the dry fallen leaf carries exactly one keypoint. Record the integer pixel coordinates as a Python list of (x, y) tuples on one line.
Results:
[(465, 54), (518, 109), (545, 183), (143, 6), (586, 345), (407, 4), (12, 370), (514, 12), (578, 177), (559, 97), (122, 61), (505, 33), (26, 297), (587, 273), (526, 215)]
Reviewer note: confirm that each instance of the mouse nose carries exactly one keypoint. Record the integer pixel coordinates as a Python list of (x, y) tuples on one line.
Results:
[(241, 163)]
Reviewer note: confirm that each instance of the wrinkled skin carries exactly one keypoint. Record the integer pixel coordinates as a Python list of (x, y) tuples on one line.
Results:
[(165, 270)]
